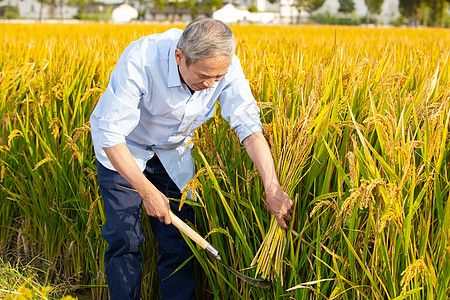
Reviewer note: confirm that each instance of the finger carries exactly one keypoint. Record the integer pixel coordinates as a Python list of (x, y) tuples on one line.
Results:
[(282, 223), (290, 203), (167, 220), (288, 218)]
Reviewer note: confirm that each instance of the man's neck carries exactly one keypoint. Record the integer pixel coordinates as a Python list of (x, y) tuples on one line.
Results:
[(182, 80)]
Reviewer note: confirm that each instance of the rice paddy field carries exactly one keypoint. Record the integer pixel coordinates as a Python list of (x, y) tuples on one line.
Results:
[(358, 123)]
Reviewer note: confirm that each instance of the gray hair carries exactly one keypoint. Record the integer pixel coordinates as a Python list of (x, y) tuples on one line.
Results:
[(206, 38)]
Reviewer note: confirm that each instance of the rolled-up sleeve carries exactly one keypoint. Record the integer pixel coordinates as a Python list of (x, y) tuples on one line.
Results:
[(117, 112), (238, 106)]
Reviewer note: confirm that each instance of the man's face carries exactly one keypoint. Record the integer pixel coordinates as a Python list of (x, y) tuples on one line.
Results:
[(204, 73)]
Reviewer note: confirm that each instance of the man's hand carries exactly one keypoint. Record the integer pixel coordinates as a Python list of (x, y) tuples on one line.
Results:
[(156, 205), (279, 204)]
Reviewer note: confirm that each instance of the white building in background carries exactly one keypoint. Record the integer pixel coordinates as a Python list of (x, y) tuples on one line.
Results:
[(231, 14), (124, 13), (281, 12)]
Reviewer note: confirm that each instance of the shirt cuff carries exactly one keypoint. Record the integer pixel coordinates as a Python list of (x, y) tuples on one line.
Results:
[(106, 139), (247, 130)]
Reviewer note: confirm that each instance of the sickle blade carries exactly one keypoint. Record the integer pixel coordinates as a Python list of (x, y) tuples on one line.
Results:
[(258, 282)]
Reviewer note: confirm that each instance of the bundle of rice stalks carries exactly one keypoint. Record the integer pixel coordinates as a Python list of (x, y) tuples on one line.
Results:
[(290, 142)]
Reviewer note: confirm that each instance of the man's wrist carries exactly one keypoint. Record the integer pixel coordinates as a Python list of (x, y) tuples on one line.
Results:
[(146, 189), (271, 187)]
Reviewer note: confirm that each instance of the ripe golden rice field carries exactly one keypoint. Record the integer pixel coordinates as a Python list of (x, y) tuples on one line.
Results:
[(358, 123)]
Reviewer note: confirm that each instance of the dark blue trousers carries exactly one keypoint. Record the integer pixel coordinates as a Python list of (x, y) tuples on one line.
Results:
[(124, 234)]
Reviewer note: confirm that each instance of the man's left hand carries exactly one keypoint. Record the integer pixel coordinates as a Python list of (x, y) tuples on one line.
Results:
[(279, 204)]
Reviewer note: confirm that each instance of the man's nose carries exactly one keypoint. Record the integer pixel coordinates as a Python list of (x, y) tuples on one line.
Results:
[(208, 83)]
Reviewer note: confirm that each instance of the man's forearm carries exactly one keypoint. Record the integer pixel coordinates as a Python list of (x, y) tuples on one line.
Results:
[(278, 202), (259, 152), (155, 203), (122, 160)]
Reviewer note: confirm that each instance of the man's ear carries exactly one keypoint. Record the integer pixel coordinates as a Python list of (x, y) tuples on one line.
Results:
[(179, 56)]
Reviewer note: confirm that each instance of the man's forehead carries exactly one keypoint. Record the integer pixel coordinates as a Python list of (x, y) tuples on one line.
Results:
[(213, 64), (206, 75)]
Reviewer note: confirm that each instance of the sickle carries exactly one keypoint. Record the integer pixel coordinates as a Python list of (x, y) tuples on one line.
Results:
[(188, 231)]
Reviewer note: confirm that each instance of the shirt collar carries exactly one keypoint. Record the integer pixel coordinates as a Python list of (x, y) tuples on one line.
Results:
[(174, 76)]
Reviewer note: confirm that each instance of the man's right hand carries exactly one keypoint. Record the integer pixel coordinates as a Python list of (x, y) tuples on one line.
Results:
[(156, 205)]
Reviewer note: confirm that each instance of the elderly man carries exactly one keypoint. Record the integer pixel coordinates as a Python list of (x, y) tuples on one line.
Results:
[(163, 87)]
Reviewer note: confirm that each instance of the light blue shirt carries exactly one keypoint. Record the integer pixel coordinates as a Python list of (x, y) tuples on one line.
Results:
[(147, 107)]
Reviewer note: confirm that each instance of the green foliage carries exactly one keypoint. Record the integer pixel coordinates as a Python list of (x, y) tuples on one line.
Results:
[(97, 17), (81, 4), (373, 9), (400, 21), (253, 9), (9, 12), (308, 5), (336, 20), (446, 21), (211, 4), (410, 9), (159, 3), (374, 6), (437, 12), (347, 6), (425, 12)]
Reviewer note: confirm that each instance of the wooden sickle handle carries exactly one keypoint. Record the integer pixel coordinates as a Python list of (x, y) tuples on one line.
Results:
[(184, 228)]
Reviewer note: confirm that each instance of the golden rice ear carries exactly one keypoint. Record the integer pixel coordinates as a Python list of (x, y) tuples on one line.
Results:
[(414, 270), (12, 135), (194, 187), (194, 184), (352, 167), (42, 161)]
